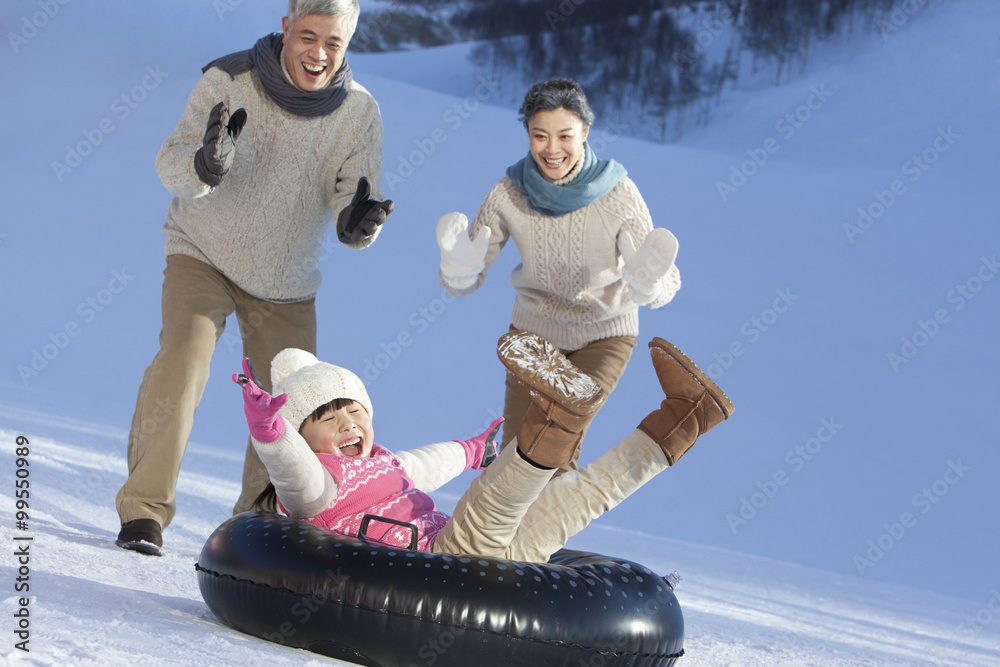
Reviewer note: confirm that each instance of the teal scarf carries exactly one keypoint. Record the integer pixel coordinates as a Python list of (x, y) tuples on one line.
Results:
[(596, 179)]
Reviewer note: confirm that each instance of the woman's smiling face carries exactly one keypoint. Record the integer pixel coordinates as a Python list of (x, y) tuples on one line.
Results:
[(346, 431), (555, 140)]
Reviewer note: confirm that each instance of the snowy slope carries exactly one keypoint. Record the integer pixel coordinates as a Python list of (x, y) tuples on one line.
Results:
[(94, 604), (844, 515)]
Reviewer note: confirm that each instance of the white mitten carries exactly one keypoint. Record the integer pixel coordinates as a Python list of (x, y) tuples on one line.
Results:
[(647, 265), (462, 258)]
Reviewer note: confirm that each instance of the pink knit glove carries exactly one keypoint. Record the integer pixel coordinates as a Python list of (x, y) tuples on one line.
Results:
[(261, 409), (482, 449)]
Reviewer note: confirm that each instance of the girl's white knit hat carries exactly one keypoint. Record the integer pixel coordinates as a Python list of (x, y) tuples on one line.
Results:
[(311, 383)]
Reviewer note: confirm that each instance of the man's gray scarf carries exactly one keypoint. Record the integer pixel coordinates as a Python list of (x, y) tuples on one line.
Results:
[(265, 56)]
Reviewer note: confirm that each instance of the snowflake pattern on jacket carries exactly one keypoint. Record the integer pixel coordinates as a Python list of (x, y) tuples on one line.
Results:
[(379, 485)]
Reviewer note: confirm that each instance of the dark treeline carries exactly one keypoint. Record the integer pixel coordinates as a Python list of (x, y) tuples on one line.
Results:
[(636, 61)]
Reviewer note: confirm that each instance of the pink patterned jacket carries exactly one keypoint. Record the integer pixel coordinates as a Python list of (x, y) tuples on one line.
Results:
[(379, 485)]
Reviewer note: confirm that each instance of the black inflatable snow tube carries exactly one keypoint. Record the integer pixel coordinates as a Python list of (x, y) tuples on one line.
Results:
[(289, 582)]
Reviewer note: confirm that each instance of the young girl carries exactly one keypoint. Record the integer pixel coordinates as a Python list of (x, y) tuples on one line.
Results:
[(317, 442), (590, 256)]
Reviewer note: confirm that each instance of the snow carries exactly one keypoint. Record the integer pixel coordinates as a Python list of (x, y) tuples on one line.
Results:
[(843, 516)]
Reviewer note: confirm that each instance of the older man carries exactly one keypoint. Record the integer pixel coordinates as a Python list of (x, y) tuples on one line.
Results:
[(276, 143)]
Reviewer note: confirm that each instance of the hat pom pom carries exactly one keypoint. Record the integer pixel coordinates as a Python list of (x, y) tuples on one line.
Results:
[(288, 362)]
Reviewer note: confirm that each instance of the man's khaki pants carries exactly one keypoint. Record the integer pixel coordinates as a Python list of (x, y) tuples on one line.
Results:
[(197, 299)]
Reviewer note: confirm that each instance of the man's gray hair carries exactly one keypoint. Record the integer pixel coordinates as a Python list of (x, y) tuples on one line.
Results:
[(297, 8), (556, 94)]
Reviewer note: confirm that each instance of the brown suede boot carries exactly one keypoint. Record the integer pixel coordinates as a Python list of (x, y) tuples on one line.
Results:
[(694, 404), (564, 399)]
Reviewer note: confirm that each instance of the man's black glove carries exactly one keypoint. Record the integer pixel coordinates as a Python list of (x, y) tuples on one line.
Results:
[(363, 216), (215, 157)]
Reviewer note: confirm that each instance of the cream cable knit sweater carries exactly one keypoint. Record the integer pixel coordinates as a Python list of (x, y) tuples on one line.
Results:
[(263, 226), (569, 284)]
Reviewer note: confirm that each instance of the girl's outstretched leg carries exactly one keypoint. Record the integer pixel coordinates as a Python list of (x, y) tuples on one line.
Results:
[(572, 500), (564, 400), (692, 406), (490, 510)]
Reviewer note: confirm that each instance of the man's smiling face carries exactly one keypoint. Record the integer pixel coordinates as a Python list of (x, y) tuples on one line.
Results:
[(314, 48)]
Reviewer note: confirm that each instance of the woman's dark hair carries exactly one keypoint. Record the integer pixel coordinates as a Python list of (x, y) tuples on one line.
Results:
[(556, 94), (267, 500)]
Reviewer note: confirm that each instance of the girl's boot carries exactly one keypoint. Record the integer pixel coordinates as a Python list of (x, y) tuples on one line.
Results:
[(693, 404), (564, 399)]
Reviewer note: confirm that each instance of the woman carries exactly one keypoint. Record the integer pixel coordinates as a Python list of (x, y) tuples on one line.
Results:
[(590, 255)]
